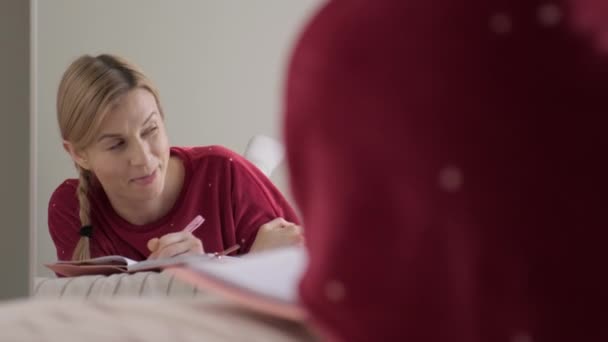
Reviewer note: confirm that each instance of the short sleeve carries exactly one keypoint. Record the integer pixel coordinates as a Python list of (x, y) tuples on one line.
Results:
[(256, 201), (63, 219)]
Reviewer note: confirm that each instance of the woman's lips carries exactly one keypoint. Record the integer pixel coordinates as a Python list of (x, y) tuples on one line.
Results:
[(145, 180)]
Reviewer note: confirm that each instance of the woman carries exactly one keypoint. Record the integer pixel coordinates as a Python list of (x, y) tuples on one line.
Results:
[(135, 193)]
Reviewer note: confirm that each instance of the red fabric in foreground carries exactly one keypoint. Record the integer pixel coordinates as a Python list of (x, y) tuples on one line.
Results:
[(449, 159)]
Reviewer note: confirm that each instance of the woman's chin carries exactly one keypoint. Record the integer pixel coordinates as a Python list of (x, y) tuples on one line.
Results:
[(149, 192)]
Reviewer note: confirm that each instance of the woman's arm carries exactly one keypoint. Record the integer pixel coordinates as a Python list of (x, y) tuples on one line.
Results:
[(277, 233), (257, 207)]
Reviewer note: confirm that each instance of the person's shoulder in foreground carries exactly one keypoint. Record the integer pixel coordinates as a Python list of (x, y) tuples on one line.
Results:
[(446, 159)]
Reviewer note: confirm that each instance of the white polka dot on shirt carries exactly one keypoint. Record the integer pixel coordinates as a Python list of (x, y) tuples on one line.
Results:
[(334, 291), (549, 15), (500, 23), (521, 337), (450, 178)]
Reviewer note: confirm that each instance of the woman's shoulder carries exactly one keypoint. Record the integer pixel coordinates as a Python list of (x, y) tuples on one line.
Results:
[(63, 205), (211, 153), (65, 192), (64, 199), (215, 159), (63, 218)]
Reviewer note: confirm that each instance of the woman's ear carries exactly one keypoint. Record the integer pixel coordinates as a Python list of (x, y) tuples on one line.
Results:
[(79, 157)]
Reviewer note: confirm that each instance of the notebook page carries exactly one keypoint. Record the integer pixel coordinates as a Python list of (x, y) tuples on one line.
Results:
[(104, 260), (178, 260), (273, 274)]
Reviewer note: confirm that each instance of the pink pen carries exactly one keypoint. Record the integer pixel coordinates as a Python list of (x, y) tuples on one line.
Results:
[(191, 227)]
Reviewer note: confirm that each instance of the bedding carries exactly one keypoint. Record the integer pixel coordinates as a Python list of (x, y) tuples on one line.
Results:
[(206, 318)]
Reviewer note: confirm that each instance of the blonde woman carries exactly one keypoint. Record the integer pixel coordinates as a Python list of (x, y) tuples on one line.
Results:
[(135, 193)]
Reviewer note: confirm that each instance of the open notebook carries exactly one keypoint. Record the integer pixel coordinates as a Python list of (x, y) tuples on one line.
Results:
[(110, 264), (266, 281)]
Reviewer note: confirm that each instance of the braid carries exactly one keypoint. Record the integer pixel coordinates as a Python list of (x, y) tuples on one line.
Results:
[(82, 250)]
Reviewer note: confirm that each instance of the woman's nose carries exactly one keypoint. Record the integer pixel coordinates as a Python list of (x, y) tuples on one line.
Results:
[(140, 154)]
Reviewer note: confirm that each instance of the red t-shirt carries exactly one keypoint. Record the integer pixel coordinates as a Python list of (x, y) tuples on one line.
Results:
[(233, 196), (449, 161)]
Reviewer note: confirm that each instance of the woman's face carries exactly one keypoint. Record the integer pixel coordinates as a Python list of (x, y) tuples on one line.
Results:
[(130, 154)]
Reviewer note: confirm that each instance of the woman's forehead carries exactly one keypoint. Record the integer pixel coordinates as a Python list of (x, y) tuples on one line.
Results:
[(133, 109)]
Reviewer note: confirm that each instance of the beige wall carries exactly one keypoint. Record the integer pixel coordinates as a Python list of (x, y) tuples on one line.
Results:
[(218, 63), (15, 147)]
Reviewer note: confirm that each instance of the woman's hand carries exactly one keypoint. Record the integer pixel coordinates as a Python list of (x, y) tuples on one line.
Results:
[(277, 233), (173, 244)]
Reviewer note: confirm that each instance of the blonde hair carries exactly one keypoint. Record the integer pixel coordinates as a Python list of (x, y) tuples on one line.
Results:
[(88, 89)]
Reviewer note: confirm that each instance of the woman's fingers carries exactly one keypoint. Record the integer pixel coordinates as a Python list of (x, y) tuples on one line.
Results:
[(190, 246), (153, 244), (278, 222), (173, 244), (277, 233)]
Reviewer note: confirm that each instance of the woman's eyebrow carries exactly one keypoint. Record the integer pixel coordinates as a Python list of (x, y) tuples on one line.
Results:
[(117, 135), (149, 117)]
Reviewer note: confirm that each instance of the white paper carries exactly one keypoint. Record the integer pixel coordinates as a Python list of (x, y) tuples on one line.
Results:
[(274, 274)]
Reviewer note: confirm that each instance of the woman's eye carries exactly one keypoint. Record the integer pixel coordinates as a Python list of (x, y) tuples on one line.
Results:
[(116, 145), (151, 130)]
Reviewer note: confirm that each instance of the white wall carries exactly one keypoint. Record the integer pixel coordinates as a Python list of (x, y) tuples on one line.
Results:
[(219, 65)]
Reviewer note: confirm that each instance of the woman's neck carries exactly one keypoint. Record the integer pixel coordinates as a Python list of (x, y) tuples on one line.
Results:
[(145, 212)]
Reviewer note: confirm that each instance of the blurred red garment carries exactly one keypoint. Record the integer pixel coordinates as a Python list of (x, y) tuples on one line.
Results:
[(448, 158)]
